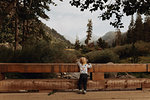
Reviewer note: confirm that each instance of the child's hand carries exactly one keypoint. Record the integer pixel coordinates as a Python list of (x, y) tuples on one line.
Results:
[(77, 60)]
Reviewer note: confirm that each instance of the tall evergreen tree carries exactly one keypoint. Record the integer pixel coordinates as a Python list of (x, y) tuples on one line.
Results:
[(77, 44), (101, 43), (138, 28), (147, 29), (89, 32), (130, 32), (118, 38)]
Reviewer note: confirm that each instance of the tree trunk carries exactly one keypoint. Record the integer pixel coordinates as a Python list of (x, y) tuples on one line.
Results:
[(16, 31), (8, 10)]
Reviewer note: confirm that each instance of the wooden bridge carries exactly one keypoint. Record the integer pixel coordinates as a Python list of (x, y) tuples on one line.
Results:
[(98, 81)]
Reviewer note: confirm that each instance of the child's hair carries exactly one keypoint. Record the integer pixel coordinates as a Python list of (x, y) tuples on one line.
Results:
[(83, 60)]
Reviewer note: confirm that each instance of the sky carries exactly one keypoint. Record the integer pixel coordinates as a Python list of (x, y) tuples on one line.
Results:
[(70, 22)]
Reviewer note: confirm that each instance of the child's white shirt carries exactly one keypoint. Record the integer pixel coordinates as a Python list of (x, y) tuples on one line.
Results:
[(84, 68)]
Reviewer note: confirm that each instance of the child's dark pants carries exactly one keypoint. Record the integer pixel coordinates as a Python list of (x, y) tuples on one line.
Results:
[(82, 81)]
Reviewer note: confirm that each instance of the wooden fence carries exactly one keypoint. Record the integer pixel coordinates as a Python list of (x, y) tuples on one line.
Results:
[(98, 81)]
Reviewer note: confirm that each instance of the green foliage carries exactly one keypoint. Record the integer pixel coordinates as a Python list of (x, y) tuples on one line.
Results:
[(138, 31), (147, 29), (123, 51), (6, 38), (130, 34), (141, 49), (118, 38), (77, 44), (110, 9), (103, 56), (85, 49), (101, 43), (38, 52)]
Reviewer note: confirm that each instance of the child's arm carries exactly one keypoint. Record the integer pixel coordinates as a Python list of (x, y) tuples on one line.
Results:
[(89, 65), (78, 63)]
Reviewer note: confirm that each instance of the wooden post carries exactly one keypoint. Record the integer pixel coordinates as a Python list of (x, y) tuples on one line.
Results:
[(97, 76), (2, 77)]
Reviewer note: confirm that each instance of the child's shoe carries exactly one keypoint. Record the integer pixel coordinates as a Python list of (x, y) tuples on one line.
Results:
[(84, 92), (80, 91)]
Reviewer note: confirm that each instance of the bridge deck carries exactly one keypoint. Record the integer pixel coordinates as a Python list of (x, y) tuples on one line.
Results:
[(101, 95)]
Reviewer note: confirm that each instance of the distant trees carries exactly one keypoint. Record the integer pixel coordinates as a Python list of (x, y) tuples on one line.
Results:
[(118, 38), (77, 44), (130, 32), (138, 30), (101, 43), (146, 29), (89, 32)]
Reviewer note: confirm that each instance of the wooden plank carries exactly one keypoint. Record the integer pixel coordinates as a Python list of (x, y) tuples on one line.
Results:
[(66, 67), (125, 83), (2, 76), (45, 84), (97, 76), (63, 84), (148, 67), (38, 67), (120, 68)]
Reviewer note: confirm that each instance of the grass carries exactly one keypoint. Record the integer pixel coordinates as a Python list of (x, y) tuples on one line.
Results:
[(142, 59)]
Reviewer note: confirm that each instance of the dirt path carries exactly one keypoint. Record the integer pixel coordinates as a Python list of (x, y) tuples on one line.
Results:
[(100, 95)]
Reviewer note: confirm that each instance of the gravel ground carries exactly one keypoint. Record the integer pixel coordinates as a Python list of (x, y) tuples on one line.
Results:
[(98, 95)]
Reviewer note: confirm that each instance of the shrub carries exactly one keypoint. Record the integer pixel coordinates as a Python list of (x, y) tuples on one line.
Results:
[(123, 51), (141, 49), (103, 56)]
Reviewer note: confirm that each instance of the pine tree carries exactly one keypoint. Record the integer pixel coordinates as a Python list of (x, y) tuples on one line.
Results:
[(147, 29), (118, 38), (130, 33), (77, 44), (89, 32), (101, 43), (138, 28)]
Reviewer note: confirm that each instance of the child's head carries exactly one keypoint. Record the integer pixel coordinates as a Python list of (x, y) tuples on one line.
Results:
[(83, 60)]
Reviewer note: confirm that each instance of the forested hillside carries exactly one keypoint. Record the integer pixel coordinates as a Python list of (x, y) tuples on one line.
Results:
[(21, 25)]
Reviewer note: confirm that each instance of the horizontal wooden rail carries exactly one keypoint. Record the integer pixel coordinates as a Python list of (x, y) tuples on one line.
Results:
[(45, 84), (66, 67), (62, 84)]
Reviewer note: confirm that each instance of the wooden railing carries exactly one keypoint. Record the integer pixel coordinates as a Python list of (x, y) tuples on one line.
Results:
[(68, 67), (97, 82)]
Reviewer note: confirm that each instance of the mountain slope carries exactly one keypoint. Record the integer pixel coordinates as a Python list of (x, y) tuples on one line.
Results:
[(94, 38), (55, 36), (109, 37)]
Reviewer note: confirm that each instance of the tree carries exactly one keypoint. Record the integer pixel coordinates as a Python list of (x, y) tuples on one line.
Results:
[(77, 44), (138, 28), (29, 7), (89, 32), (117, 8), (7, 10), (118, 38), (101, 43), (147, 29), (23, 14), (130, 32)]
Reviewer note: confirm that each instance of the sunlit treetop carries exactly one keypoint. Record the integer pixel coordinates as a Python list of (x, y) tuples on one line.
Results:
[(117, 8)]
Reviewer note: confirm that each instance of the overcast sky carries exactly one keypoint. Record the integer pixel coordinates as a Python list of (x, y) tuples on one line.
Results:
[(70, 22)]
